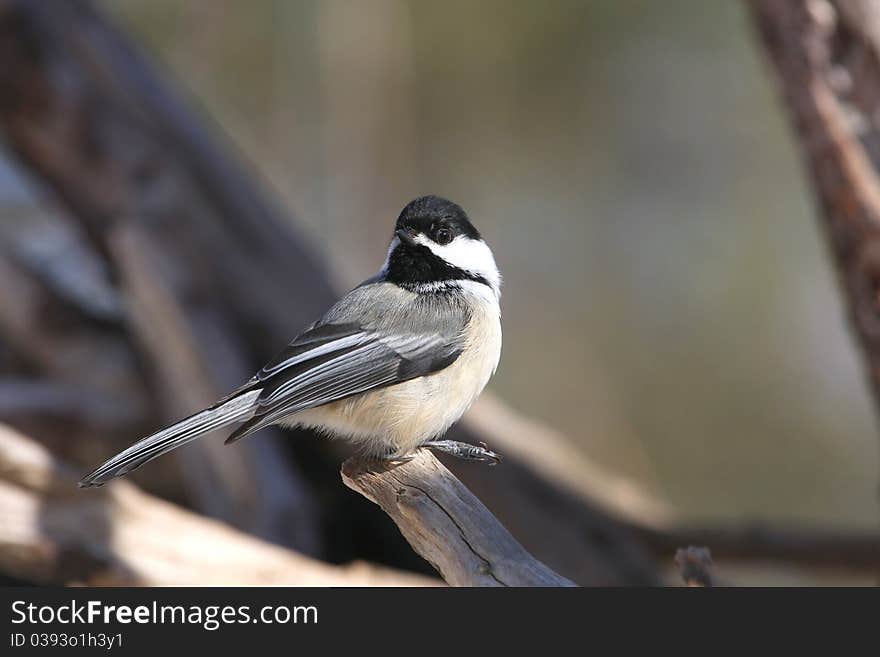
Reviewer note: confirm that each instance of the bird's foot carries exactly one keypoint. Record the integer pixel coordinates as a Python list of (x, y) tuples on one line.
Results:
[(465, 451)]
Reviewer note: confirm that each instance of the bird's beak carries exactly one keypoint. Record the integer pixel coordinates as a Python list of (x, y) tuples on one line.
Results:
[(406, 236)]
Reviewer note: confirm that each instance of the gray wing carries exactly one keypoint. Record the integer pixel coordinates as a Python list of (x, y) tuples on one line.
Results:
[(372, 339)]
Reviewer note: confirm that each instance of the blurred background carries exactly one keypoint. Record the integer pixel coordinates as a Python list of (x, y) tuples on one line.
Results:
[(668, 303)]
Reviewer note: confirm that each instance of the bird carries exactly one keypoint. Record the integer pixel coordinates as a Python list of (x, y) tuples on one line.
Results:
[(389, 367)]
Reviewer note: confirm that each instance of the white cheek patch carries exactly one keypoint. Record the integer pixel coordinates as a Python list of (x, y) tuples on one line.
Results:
[(473, 256)]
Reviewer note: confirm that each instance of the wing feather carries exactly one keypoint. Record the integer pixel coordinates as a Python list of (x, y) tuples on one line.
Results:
[(341, 361)]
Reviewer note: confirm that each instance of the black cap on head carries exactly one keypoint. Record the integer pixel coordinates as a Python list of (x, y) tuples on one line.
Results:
[(428, 213), (412, 262)]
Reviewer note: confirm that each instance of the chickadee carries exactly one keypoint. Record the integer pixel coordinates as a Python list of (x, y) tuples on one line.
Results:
[(390, 367)]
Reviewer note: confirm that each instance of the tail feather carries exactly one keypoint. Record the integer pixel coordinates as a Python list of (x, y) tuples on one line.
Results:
[(236, 409)]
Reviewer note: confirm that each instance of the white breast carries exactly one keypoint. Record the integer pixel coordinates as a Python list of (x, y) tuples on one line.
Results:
[(401, 417)]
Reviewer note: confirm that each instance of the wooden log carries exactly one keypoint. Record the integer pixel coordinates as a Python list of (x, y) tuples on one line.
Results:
[(446, 524), (55, 533)]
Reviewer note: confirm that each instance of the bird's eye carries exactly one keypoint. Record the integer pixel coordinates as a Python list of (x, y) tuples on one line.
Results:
[(443, 236)]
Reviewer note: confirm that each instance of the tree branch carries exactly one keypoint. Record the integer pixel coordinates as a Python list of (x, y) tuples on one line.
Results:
[(836, 549), (827, 71), (446, 524)]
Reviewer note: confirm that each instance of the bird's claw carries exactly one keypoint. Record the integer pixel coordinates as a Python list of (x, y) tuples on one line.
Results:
[(466, 451)]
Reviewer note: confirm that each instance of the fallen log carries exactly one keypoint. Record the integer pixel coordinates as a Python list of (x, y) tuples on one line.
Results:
[(55, 533)]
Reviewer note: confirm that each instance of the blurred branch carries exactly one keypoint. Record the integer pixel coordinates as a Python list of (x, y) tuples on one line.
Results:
[(571, 514), (72, 368), (557, 457), (446, 524), (26, 398), (836, 549), (54, 533), (695, 566), (219, 479), (826, 57), (199, 254)]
